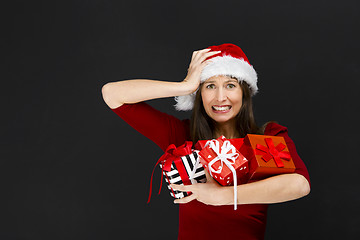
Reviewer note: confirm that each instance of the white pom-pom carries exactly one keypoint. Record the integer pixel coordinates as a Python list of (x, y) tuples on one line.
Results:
[(185, 103)]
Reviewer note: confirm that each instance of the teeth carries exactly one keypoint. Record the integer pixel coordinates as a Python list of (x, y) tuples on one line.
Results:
[(221, 108)]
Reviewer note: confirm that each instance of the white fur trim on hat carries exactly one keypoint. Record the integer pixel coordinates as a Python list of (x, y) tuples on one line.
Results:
[(227, 66), (185, 103), (230, 66)]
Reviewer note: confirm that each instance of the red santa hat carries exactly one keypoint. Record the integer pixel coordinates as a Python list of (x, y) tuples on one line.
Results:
[(232, 62)]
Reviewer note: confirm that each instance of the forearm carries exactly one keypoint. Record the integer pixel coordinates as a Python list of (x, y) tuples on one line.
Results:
[(132, 91), (275, 189)]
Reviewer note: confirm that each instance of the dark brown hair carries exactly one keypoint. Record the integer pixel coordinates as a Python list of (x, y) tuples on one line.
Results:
[(202, 127)]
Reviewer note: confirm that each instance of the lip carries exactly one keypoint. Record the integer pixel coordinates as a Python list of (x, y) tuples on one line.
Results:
[(218, 111)]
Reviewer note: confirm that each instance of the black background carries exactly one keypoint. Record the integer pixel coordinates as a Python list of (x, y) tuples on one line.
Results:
[(71, 169)]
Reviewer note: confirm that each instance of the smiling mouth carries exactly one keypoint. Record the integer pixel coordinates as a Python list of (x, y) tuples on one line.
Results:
[(221, 108)]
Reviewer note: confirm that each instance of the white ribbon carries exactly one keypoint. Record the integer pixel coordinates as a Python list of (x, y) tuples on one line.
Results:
[(192, 173), (227, 155)]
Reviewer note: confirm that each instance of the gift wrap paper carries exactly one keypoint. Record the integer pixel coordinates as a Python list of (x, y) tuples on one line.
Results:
[(236, 142), (225, 177), (260, 168), (190, 162)]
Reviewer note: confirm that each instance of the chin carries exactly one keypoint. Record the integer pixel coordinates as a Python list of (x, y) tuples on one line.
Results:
[(221, 119)]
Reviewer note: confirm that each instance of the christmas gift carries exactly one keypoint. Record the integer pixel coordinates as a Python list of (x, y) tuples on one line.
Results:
[(267, 155), (224, 163), (236, 142), (180, 166)]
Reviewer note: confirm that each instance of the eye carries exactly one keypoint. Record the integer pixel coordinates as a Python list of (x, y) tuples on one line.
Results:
[(210, 86), (230, 85)]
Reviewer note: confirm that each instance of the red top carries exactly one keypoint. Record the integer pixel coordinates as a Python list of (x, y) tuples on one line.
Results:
[(197, 220)]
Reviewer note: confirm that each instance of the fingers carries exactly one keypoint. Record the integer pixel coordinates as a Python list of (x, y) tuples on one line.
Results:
[(198, 62), (204, 63), (199, 59), (203, 54), (185, 199), (195, 53), (182, 188)]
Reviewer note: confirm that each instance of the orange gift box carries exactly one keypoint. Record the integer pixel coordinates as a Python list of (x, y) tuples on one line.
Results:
[(267, 155)]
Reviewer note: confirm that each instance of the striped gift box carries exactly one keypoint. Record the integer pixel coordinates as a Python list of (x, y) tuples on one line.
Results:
[(192, 166)]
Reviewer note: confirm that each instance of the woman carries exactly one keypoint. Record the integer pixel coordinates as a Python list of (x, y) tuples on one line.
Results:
[(218, 87)]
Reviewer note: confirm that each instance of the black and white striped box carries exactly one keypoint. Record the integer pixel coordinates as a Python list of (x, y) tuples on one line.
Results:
[(194, 170)]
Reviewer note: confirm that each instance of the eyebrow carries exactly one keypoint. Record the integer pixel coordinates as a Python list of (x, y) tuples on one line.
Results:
[(230, 80), (212, 81)]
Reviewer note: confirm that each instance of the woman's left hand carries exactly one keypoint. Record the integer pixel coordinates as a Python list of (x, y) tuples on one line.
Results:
[(210, 193)]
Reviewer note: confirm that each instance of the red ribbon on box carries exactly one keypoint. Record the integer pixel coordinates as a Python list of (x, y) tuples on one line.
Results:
[(272, 152), (171, 154)]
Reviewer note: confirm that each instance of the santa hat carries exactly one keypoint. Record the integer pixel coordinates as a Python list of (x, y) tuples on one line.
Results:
[(232, 62)]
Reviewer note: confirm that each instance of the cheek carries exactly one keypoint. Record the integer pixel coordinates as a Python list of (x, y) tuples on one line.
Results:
[(206, 98), (240, 102), (237, 100)]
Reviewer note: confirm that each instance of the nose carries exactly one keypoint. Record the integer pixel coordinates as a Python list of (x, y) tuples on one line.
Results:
[(221, 94)]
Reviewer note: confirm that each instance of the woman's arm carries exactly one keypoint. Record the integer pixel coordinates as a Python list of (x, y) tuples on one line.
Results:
[(118, 93), (276, 189), (280, 188)]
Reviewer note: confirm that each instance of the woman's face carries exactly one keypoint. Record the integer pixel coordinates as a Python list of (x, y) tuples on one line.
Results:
[(222, 98)]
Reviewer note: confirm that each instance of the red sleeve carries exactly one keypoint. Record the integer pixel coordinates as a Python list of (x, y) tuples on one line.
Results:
[(275, 129), (161, 128)]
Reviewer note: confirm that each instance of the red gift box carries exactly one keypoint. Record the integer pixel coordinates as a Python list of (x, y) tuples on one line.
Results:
[(225, 164), (236, 142), (267, 155), (219, 156)]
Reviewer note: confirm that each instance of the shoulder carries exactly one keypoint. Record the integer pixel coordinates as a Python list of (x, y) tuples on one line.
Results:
[(274, 129), (162, 128)]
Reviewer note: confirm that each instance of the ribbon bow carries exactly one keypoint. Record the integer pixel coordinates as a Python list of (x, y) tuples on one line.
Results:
[(227, 155), (171, 154), (271, 152)]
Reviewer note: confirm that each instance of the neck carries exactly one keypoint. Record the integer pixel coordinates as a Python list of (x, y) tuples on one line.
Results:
[(226, 129)]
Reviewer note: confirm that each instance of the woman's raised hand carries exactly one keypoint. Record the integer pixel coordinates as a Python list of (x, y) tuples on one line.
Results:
[(197, 64), (137, 90)]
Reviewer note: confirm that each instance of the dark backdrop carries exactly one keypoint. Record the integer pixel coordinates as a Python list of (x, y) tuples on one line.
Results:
[(72, 169)]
